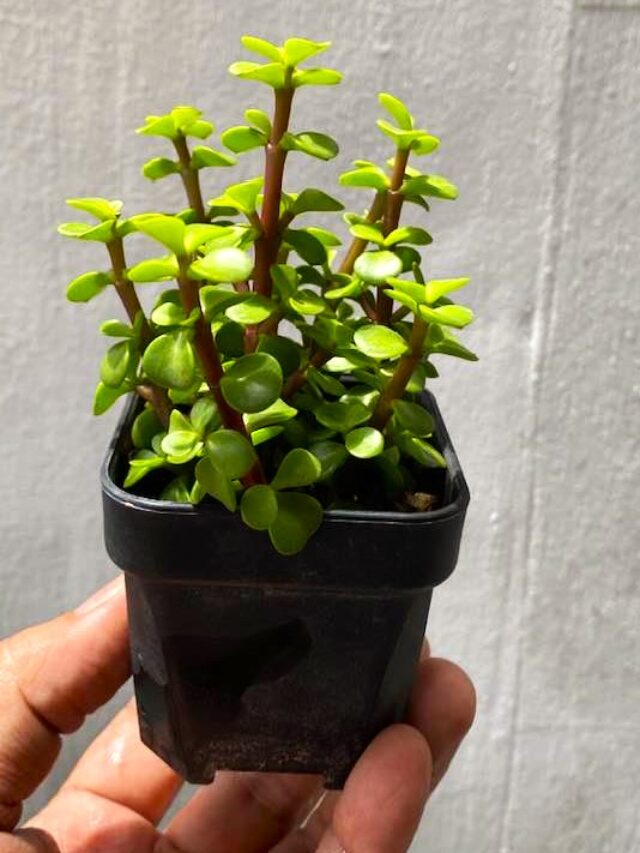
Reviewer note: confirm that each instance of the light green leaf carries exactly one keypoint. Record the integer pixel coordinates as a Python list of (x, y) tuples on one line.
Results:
[(242, 138), (377, 267), (307, 303), (198, 233), (252, 310), (430, 185), (243, 196), (397, 110), (259, 119), (259, 436), (144, 427), (299, 516), (272, 74), (101, 233), (298, 468), (181, 445), (203, 157), (316, 77), (225, 264), (413, 289), (408, 234), (259, 507), (263, 48), (436, 289), (171, 314), (86, 286), (105, 397), (199, 128), (364, 442), (115, 364), (177, 491), (214, 483), (168, 230), (159, 167), (379, 342), (277, 413), (216, 298), (412, 417), (370, 233), (315, 200), (231, 453), (457, 316), (116, 329), (296, 50), (101, 208), (140, 465), (252, 383), (423, 452), (442, 341), (327, 238), (371, 177), (154, 269), (169, 360), (204, 415), (158, 126), (314, 144)]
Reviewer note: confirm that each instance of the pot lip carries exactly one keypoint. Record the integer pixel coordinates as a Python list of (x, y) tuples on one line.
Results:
[(455, 506)]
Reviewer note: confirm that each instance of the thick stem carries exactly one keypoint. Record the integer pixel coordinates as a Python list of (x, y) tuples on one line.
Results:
[(190, 178), (390, 220), (157, 396), (268, 244), (396, 386), (212, 367)]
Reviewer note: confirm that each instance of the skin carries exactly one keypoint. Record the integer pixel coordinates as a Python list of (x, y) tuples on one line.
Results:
[(53, 675)]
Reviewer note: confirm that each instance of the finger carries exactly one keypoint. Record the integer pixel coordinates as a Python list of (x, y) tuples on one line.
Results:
[(382, 802), (51, 677), (243, 812), (28, 841), (306, 838), (442, 707)]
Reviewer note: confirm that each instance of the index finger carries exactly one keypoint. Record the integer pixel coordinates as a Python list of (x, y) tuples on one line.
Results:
[(51, 677)]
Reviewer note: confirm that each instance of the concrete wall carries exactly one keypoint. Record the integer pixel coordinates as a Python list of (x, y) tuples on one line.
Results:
[(537, 105)]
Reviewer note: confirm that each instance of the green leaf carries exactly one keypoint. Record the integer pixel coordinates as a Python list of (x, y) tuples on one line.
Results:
[(200, 129), (422, 451), (144, 427), (259, 507), (298, 468), (252, 383), (216, 298), (181, 445), (364, 442), (158, 126), (380, 342), (116, 329), (315, 200), (371, 177), (115, 364), (441, 341), (251, 310), (204, 415), (370, 233), (430, 185), (243, 196), (225, 264), (331, 456), (260, 120), (377, 267), (306, 245), (101, 233), (168, 230), (316, 77), (419, 141), (412, 289), (230, 339), (277, 413), (259, 436), (86, 286), (408, 234), (101, 208), (184, 116), (436, 289), (242, 138), (296, 50), (231, 453), (397, 110), (169, 360), (352, 289), (412, 417), (262, 47), (299, 516), (272, 74), (425, 144), (105, 397), (159, 167), (177, 491), (314, 144), (457, 316), (214, 483), (307, 303), (342, 416), (170, 314), (327, 238), (140, 465), (154, 269), (287, 352), (327, 384), (198, 233), (203, 157)]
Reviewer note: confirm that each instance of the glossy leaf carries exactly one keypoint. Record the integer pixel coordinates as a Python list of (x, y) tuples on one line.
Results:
[(364, 442), (436, 289), (314, 144), (115, 364), (380, 342), (105, 397), (252, 310), (315, 200), (154, 269), (370, 233), (422, 451), (259, 119), (342, 416), (272, 74), (371, 177), (225, 264), (144, 427), (299, 516), (101, 208), (457, 316), (203, 157), (116, 329), (177, 491), (231, 453), (298, 468), (214, 483), (306, 245), (277, 413), (296, 50), (430, 185), (86, 286), (101, 233), (408, 234), (197, 234), (287, 352), (243, 196), (307, 303), (316, 77), (141, 464), (414, 418), (242, 138), (216, 298), (377, 267), (397, 110), (168, 230), (169, 360), (204, 415), (331, 456), (259, 507), (252, 383)]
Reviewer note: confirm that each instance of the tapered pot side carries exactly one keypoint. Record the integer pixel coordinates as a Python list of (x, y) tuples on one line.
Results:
[(244, 659)]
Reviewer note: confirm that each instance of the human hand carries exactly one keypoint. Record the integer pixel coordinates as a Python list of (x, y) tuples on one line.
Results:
[(54, 674)]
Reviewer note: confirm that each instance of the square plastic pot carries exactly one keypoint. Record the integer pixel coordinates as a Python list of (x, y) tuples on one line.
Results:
[(246, 660)]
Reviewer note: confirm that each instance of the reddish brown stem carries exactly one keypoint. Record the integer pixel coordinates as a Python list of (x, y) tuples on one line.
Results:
[(297, 379), (190, 178), (390, 220), (268, 244), (212, 368), (396, 386), (156, 395)]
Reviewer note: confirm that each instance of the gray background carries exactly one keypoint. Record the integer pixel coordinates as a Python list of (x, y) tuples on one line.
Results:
[(537, 105)]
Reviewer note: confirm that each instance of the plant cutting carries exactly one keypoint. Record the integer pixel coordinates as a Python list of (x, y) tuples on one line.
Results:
[(281, 491)]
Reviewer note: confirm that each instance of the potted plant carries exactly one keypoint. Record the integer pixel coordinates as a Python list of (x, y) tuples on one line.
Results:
[(281, 491)]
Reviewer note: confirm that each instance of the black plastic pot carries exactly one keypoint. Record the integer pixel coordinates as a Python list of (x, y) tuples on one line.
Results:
[(246, 660)]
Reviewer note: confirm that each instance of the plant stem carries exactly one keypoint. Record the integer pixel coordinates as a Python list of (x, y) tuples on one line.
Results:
[(268, 244), (390, 221), (156, 395), (358, 245), (190, 178), (396, 386), (297, 379), (212, 367)]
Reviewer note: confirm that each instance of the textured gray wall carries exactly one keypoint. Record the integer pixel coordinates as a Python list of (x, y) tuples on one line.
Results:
[(537, 104)]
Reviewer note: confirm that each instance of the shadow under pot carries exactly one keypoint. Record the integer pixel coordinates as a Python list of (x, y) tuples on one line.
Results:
[(247, 660)]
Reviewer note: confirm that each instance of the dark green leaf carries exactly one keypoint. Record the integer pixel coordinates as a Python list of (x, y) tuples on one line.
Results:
[(342, 416), (231, 453), (414, 418), (298, 468), (214, 483), (259, 507), (177, 491), (307, 246), (331, 456), (287, 352), (144, 427), (252, 383), (299, 516)]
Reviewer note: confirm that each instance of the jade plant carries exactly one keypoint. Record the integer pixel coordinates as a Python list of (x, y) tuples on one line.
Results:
[(276, 373)]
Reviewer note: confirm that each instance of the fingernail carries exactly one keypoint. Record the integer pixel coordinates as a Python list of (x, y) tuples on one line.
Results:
[(102, 596)]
